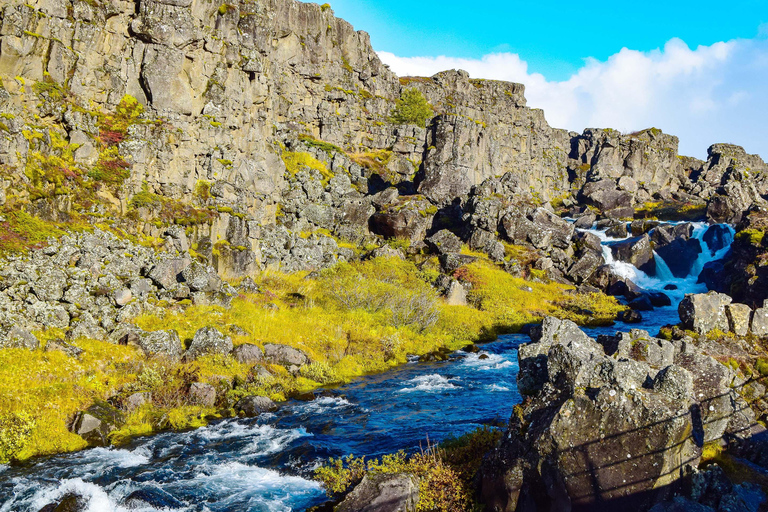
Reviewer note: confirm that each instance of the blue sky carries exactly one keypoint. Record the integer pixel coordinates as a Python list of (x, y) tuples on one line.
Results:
[(698, 70)]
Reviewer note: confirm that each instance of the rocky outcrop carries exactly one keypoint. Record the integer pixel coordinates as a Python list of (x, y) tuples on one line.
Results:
[(609, 424), (95, 423), (382, 493), (208, 340), (98, 282)]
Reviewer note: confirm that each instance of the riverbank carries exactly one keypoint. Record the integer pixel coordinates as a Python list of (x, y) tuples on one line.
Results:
[(350, 320)]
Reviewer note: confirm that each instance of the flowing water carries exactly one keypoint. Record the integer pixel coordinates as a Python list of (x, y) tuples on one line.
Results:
[(265, 464)]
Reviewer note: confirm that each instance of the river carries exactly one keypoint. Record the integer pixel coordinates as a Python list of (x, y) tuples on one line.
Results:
[(266, 464)]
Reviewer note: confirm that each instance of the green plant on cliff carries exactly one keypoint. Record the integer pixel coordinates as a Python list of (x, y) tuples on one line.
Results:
[(411, 108)]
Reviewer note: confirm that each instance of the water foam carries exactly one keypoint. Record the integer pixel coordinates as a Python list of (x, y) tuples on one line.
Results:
[(429, 383), (493, 362)]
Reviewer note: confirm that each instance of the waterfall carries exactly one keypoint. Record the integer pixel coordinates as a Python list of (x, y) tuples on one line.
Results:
[(664, 277)]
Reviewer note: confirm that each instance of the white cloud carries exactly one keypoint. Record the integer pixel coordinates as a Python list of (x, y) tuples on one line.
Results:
[(716, 93)]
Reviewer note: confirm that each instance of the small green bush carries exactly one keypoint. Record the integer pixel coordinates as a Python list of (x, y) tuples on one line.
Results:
[(412, 108)]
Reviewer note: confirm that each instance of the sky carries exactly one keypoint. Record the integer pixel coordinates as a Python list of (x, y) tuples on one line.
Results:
[(698, 70)]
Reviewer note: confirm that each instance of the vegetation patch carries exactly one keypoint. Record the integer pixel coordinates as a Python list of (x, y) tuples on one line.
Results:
[(445, 471), (296, 161), (412, 108)]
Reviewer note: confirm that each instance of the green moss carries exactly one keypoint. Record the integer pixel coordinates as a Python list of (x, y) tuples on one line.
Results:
[(296, 161), (325, 7), (751, 236), (315, 143)]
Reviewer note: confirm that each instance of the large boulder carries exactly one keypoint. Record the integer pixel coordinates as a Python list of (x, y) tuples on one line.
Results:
[(14, 336), (208, 340), (201, 278), (284, 355), (247, 353), (673, 244), (168, 273), (704, 312), (444, 242), (637, 251), (397, 492), (203, 394), (253, 406), (161, 344), (537, 227), (609, 426), (95, 423)]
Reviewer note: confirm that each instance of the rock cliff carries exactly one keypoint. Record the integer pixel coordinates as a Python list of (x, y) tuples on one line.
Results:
[(252, 123)]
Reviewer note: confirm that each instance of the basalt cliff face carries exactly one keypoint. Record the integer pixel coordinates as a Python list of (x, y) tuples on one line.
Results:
[(232, 92)]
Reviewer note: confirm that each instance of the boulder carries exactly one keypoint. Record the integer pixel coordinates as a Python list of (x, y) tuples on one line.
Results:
[(759, 323), (136, 400), (618, 230), (151, 498), (673, 244), (167, 273), (540, 228), (284, 355), (64, 347), (397, 492), (717, 237), (202, 394), (739, 318), (15, 337), (161, 344), (444, 242), (247, 353), (95, 423), (253, 406), (70, 502), (637, 251), (704, 312), (201, 278), (642, 226), (208, 340)]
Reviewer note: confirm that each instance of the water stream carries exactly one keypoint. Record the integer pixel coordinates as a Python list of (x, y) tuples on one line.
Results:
[(265, 464)]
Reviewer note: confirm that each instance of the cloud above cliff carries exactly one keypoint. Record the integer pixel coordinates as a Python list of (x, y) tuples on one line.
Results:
[(716, 93)]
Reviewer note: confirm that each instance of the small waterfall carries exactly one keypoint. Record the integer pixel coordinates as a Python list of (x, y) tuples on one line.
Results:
[(664, 277)]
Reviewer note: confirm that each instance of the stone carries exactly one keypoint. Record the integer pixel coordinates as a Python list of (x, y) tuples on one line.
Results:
[(151, 498), (397, 492), (284, 355), (167, 273), (123, 297), (208, 340), (704, 312), (16, 337), (64, 347), (717, 237), (456, 294), (51, 285), (739, 318), (202, 394), (201, 278), (674, 382), (247, 353), (161, 344), (444, 242), (95, 423), (70, 502), (759, 323), (252, 406), (637, 251), (136, 400)]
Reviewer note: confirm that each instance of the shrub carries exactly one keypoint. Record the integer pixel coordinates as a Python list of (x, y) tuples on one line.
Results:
[(412, 108)]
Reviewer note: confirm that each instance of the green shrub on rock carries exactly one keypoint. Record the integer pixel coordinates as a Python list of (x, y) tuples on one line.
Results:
[(412, 108)]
